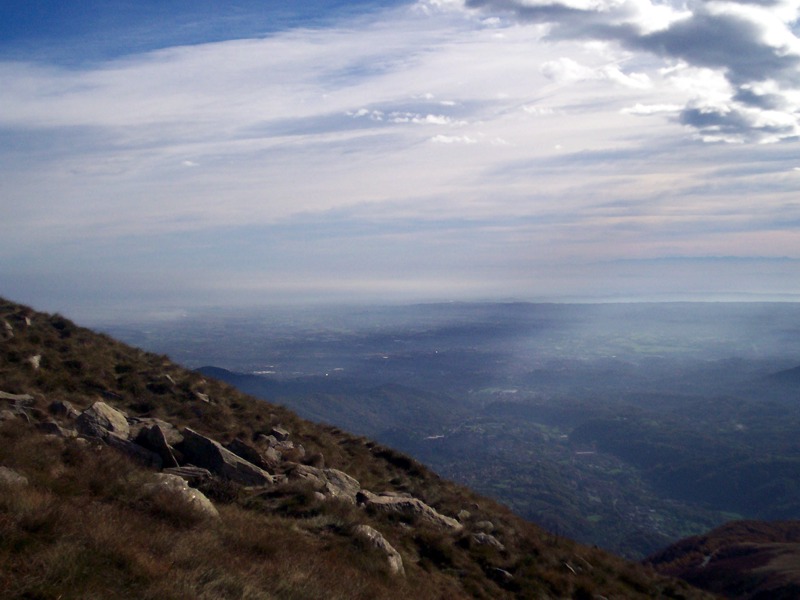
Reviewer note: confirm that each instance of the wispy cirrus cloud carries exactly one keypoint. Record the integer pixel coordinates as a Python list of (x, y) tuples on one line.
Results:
[(502, 146)]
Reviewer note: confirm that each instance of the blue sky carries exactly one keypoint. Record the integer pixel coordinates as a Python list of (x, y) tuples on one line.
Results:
[(196, 153)]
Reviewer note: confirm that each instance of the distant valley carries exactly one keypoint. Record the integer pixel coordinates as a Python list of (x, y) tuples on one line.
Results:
[(628, 426)]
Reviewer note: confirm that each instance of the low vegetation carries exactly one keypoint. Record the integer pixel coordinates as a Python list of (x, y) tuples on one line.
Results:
[(83, 526)]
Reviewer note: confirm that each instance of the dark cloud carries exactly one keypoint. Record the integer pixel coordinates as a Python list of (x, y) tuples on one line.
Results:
[(732, 124), (750, 43)]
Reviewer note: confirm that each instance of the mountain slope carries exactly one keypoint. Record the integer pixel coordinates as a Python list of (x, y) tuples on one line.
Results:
[(80, 519), (742, 559)]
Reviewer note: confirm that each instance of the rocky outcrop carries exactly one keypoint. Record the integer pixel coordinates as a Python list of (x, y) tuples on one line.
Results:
[(64, 409), (251, 454), (154, 439), (410, 508), (374, 538), (101, 420), (207, 453), (191, 474), (331, 483), (177, 487), (487, 539)]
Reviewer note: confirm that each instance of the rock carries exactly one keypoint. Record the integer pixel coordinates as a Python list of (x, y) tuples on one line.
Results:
[(190, 473), (62, 408), (332, 483), (266, 440), (194, 499), (463, 515), (53, 428), (202, 397), (341, 485), (138, 453), (207, 453), (171, 433), (35, 361), (279, 433), (10, 478), (249, 453), (154, 439), (487, 539), (271, 455), (16, 397), (7, 415), (377, 541), (413, 508), (500, 575), (101, 420), (484, 526)]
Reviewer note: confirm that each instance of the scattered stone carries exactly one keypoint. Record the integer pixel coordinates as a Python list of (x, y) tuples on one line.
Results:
[(10, 478), (377, 541), (63, 408), (9, 330), (138, 453), (409, 507), (487, 539), (332, 483), (154, 439), (202, 397), (463, 515), (271, 455), (199, 504), (7, 415), (207, 453), (35, 361), (16, 397), (193, 475), (249, 453), (500, 575), (171, 433), (53, 428), (103, 421), (266, 440), (484, 526), (280, 434)]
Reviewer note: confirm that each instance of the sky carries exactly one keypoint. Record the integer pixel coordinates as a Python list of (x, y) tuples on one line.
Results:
[(178, 154)]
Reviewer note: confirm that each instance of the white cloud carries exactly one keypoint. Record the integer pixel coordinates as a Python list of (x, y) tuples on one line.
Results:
[(453, 139), (541, 144)]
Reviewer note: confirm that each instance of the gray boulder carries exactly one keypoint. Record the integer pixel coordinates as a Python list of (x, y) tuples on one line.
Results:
[(244, 450), (487, 539), (332, 483), (101, 420), (376, 540), (412, 508), (154, 439), (134, 451), (210, 454), (63, 408), (170, 432), (175, 486)]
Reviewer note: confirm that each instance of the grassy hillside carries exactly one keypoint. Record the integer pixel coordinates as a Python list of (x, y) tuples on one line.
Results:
[(84, 526)]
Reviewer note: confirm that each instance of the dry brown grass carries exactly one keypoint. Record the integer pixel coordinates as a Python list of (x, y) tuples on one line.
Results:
[(84, 529)]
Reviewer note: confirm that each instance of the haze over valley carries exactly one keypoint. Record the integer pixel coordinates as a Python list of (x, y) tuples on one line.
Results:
[(628, 426)]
